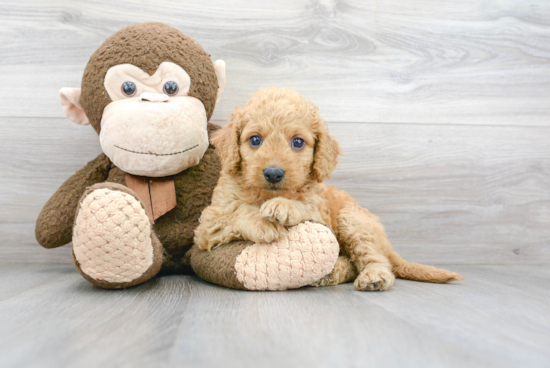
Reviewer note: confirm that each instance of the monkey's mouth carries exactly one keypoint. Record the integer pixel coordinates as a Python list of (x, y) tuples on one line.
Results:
[(156, 154)]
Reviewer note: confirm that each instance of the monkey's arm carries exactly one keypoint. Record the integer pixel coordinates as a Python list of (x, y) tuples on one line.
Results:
[(55, 222)]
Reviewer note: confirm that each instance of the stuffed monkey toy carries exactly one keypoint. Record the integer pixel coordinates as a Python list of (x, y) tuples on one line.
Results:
[(149, 92)]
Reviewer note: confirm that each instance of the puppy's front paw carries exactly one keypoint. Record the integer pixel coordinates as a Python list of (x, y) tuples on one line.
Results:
[(264, 231), (374, 279), (281, 211)]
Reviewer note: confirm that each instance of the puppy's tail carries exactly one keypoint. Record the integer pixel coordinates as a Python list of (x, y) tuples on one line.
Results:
[(420, 272)]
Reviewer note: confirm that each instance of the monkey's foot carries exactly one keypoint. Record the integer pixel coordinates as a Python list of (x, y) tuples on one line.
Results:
[(306, 254), (114, 245)]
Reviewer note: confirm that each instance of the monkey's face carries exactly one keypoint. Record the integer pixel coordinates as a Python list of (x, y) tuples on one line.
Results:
[(152, 127), (148, 91)]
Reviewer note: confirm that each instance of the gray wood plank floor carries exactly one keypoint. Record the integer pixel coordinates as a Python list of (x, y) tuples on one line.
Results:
[(497, 317)]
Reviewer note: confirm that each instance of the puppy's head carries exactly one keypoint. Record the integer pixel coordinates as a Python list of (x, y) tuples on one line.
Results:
[(277, 142)]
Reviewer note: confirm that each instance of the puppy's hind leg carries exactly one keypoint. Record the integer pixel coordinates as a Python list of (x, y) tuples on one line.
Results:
[(363, 237), (343, 271)]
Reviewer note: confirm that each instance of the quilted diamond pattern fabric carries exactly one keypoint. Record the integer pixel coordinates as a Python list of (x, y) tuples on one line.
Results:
[(308, 253), (112, 236)]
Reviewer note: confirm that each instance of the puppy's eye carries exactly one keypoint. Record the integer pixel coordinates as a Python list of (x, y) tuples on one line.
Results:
[(255, 141), (128, 88), (170, 88), (298, 143)]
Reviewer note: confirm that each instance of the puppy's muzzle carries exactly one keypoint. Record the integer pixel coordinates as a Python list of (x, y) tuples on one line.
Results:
[(274, 174)]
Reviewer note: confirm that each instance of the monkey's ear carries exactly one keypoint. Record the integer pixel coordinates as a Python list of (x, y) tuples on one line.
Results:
[(219, 67), (70, 101)]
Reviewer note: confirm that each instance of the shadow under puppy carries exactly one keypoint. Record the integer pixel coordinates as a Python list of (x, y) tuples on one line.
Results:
[(276, 152)]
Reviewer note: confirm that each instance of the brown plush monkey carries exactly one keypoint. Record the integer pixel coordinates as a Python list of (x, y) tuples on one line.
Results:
[(148, 91)]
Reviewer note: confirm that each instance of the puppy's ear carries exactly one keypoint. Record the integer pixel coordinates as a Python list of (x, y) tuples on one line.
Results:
[(326, 151), (226, 141)]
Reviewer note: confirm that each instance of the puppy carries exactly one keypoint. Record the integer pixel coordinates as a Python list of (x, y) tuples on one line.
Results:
[(276, 152)]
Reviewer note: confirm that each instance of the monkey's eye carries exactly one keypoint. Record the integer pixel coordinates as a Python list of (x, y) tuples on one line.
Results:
[(298, 143), (171, 88), (255, 141), (129, 88)]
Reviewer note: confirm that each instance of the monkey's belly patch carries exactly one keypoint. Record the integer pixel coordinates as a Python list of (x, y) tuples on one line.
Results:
[(112, 236), (308, 253)]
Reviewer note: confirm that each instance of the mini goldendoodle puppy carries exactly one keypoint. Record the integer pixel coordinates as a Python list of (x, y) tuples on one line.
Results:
[(276, 152)]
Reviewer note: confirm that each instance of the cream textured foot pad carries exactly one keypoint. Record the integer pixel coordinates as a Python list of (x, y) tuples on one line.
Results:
[(308, 253), (112, 236)]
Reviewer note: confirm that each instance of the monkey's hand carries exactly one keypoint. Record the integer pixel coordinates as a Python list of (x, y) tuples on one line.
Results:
[(54, 226)]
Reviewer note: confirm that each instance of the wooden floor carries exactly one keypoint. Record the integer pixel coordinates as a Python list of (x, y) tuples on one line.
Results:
[(442, 111), (497, 317)]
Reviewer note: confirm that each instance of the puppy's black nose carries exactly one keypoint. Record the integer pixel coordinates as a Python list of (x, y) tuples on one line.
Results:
[(274, 174)]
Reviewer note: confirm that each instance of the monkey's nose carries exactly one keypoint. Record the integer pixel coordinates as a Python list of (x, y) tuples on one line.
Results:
[(153, 97), (274, 174)]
